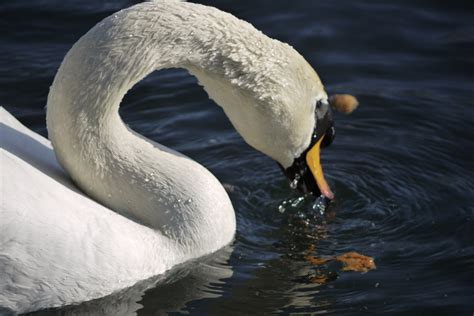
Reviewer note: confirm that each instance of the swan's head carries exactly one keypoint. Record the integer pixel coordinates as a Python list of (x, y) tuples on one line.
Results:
[(276, 101), (308, 123)]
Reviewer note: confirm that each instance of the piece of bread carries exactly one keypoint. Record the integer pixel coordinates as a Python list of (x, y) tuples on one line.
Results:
[(344, 103)]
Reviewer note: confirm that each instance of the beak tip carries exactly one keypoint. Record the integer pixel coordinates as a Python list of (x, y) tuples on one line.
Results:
[(328, 194)]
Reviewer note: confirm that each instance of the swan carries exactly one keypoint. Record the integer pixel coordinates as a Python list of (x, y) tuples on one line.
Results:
[(98, 207)]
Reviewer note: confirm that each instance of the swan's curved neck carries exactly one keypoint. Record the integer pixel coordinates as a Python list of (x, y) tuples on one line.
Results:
[(133, 175), (123, 170)]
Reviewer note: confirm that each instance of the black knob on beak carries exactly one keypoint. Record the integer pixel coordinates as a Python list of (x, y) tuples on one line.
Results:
[(329, 136)]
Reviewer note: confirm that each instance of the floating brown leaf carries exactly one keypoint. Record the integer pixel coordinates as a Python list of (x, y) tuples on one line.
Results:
[(354, 261)]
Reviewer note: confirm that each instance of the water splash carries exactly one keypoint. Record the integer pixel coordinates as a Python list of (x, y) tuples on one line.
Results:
[(304, 206), (297, 202)]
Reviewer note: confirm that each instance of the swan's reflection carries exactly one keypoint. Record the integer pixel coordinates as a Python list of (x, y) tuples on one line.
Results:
[(197, 279)]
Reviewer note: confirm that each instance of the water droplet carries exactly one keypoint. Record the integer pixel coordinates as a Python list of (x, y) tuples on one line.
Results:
[(297, 202), (147, 180), (188, 201), (281, 208), (294, 183)]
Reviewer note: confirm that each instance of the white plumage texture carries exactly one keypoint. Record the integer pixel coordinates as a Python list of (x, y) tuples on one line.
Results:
[(157, 207)]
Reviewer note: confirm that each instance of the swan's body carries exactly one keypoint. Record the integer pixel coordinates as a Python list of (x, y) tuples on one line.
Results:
[(58, 246)]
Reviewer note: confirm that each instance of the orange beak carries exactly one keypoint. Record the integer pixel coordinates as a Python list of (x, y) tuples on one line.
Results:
[(313, 159)]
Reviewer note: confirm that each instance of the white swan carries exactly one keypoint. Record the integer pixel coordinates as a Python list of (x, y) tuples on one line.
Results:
[(157, 207)]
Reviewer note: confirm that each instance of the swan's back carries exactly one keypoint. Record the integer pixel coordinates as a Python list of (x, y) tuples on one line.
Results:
[(58, 246)]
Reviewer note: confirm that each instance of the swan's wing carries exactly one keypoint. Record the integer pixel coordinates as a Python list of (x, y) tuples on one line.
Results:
[(32, 148), (58, 246)]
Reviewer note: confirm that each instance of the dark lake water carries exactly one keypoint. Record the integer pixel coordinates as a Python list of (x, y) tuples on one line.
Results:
[(401, 165)]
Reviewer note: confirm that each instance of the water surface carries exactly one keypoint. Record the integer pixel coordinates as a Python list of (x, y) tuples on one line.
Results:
[(401, 165)]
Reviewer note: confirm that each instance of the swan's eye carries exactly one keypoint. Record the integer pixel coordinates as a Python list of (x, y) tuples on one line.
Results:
[(319, 104)]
